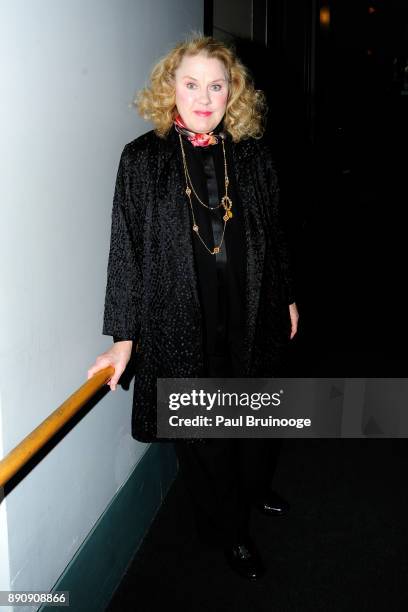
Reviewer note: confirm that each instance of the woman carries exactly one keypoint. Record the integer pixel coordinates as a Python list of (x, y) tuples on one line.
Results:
[(198, 272)]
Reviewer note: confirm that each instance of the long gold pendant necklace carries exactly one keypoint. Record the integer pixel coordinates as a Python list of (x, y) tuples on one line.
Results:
[(226, 201)]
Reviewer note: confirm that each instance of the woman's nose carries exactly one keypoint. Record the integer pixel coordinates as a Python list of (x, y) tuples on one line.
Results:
[(204, 96)]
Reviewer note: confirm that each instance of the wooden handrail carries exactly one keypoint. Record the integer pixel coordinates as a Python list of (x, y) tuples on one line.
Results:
[(32, 443)]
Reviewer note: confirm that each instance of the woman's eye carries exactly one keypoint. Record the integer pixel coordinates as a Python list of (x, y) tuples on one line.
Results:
[(190, 85), (216, 87)]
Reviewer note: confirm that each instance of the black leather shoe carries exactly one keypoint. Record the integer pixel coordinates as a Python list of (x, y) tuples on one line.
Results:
[(272, 504), (245, 560)]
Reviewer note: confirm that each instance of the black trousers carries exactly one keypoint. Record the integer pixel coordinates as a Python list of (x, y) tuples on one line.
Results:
[(223, 477)]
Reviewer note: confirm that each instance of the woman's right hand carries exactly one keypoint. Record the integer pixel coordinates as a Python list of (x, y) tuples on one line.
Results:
[(117, 356)]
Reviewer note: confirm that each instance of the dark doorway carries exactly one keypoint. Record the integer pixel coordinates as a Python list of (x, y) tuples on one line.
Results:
[(336, 77)]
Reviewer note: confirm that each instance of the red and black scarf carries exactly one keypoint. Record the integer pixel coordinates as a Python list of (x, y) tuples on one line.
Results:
[(198, 140)]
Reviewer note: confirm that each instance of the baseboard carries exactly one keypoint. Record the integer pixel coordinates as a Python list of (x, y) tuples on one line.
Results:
[(98, 567)]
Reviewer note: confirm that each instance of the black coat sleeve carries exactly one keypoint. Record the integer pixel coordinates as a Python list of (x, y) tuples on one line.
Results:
[(121, 314), (278, 232)]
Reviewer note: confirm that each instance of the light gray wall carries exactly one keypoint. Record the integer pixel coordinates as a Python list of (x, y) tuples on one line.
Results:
[(4, 556), (69, 70)]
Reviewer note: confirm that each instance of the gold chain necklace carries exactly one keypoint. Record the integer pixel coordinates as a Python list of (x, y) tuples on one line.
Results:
[(226, 201)]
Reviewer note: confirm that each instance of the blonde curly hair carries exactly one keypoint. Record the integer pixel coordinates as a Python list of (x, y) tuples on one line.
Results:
[(246, 106)]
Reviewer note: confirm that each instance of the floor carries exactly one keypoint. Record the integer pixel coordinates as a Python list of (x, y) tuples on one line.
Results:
[(342, 546)]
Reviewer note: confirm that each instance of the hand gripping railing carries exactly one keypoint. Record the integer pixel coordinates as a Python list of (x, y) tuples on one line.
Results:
[(32, 443)]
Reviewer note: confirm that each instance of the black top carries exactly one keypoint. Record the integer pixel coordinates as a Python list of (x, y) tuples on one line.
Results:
[(221, 277)]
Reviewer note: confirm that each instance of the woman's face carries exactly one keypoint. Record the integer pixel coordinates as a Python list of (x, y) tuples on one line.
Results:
[(201, 92)]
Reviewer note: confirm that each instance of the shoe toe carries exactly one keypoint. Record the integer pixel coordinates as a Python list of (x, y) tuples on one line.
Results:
[(273, 504), (245, 560)]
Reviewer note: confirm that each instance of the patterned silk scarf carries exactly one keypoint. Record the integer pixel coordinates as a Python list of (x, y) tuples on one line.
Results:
[(198, 140)]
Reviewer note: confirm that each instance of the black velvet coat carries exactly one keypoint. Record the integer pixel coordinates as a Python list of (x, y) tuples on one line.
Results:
[(152, 293)]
